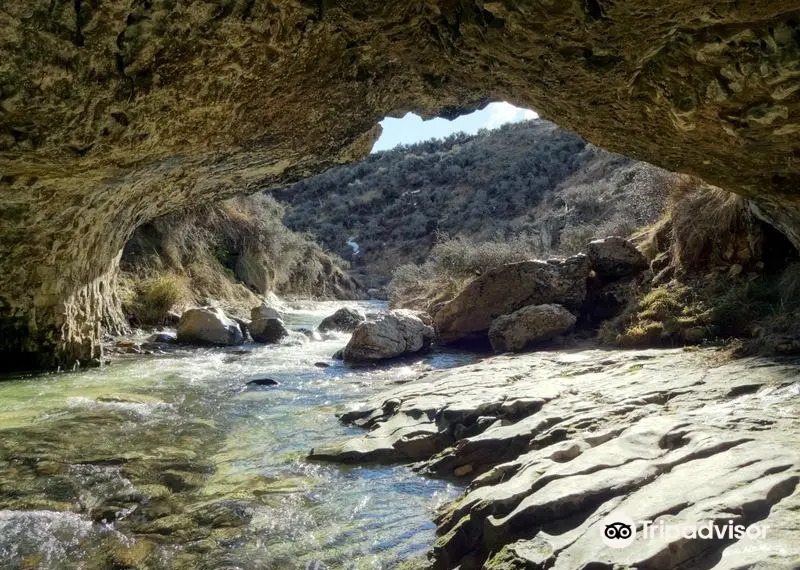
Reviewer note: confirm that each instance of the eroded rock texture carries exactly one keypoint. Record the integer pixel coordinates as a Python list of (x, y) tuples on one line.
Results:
[(112, 113), (552, 443)]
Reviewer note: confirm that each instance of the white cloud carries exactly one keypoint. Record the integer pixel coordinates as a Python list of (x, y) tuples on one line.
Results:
[(502, 113), (411, 128)]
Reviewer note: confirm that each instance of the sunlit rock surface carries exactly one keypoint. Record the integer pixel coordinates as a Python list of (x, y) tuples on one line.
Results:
[(552, 443), (114, 113)]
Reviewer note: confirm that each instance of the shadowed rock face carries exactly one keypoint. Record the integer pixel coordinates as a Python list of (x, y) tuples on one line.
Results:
[(111, 115)]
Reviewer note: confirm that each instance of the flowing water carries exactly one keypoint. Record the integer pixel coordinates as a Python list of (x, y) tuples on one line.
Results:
[(173, 462)]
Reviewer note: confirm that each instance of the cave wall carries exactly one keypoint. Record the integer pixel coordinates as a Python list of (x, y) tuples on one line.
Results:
[(114, 112)]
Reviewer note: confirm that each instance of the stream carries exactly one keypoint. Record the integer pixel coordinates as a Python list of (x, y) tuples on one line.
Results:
[(173, 462)]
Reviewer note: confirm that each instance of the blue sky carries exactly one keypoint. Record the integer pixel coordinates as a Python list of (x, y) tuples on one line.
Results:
[(411, 128)]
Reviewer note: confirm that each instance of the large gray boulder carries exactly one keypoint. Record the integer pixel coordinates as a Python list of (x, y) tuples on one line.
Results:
[(615, 257), (345, 320), (264, 311), (266, 325), (508, 288), (209, 325), (268, 330), (390, 335), (534, 323)]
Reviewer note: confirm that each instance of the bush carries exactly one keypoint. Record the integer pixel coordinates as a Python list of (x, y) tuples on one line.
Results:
[(153, 298), (706, 222), (451, 265)]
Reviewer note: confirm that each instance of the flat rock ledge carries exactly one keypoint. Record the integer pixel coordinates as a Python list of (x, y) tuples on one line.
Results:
[(551, 443)]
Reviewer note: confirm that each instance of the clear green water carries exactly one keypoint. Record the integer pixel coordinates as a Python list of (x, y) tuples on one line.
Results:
[(171, 462)]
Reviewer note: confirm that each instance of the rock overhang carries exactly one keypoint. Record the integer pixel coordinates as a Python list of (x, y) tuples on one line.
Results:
[(113, 115)]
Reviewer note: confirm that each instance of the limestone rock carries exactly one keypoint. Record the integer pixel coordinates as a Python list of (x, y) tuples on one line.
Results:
[(344, 319), (556, 442), (264, 311), (208, 325), (508, 288), (615, 257), (162, 338), (392, 334), (266, 325), (269, 331), (527, 325)]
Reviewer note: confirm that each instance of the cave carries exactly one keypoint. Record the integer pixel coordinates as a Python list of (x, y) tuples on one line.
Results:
[(118, 114)]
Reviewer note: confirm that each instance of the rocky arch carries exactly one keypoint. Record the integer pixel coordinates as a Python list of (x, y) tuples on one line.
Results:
[(113, 112)]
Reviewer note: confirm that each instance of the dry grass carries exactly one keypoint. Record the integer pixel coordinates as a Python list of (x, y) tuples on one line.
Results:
[(704, 220), (149, 300), (451, 265), (654, 239)]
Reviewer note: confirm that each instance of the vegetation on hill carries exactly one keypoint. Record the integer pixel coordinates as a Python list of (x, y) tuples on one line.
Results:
[(531, 182), (232, 253)]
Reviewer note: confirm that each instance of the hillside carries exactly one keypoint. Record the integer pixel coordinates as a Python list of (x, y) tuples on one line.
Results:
[(232, 253), (531, 181)]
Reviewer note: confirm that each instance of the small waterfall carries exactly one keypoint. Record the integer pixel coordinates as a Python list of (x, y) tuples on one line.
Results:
[(353, 245)]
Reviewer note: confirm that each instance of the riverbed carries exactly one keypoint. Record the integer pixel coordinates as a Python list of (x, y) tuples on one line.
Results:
[(172, 461)]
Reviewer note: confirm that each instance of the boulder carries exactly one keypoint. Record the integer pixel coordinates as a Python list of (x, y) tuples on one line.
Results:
[(530, 324), (391, 335), (268, 330), (308, 333), (266, 325), (264, 311), (615, 257), (263, 382), (345, 320), (209, 325), (508, 288), (161, 338)]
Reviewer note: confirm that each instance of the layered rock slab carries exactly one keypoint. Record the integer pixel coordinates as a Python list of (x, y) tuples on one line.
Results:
[(552, 443)]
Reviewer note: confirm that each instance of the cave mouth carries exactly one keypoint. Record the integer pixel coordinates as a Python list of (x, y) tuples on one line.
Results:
[(777, 251)]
